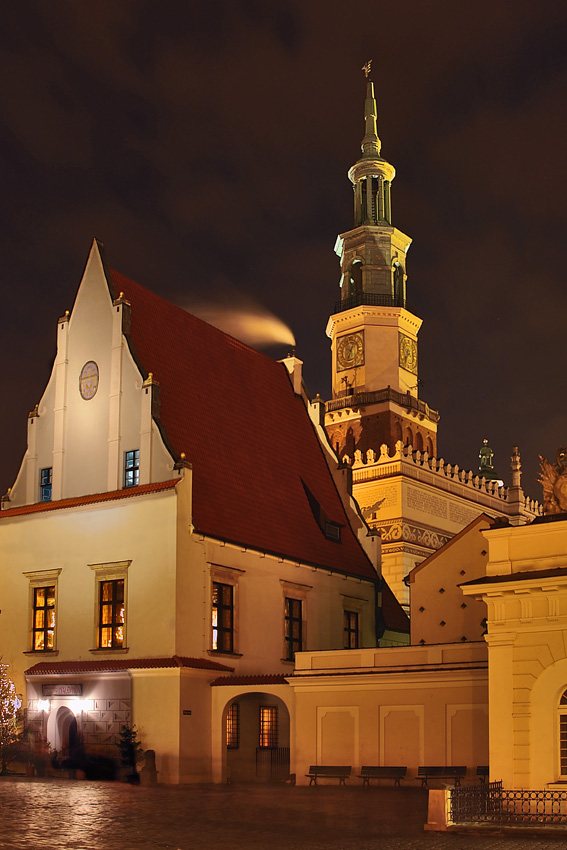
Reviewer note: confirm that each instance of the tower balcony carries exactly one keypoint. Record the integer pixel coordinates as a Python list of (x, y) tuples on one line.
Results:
[(379, 396), (371, 299)]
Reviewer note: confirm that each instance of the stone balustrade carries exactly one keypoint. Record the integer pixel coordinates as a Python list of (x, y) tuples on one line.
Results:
[(371, 465)]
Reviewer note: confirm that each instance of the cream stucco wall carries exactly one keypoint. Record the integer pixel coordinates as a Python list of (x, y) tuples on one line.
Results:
[(525, 591), (400, 706), (141, 531), (439, 613)]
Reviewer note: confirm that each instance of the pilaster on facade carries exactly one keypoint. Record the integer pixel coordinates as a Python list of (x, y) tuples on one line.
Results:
[(60, 406), (119, 307), (150, 404), (31, 473)]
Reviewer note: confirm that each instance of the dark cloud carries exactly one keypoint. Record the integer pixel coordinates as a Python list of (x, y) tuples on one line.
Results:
[(207, 144)]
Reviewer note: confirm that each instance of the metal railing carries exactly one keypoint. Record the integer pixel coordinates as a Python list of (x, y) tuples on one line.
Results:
[(490, 803), (371, 299), (377, 396), (272, 763)]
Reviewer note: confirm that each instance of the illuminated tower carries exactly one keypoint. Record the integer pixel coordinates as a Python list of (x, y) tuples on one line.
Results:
[(373, 333)]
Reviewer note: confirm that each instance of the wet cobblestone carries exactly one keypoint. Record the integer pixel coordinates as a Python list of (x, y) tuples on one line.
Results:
[(53, 814)]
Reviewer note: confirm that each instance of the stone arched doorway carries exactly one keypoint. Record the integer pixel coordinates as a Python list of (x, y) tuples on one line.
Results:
[(65, 735), (256, 736)]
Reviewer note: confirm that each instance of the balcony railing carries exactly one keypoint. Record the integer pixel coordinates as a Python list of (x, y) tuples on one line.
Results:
[(403, 399), (372, 299)]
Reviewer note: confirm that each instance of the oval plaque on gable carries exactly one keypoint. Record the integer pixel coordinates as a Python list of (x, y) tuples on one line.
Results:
[(88, 380)]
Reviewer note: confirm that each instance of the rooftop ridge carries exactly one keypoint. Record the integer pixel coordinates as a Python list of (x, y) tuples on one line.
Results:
[(89, 499)]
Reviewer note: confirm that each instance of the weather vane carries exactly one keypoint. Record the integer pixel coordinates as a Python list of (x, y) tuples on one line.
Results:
[(366, 68)]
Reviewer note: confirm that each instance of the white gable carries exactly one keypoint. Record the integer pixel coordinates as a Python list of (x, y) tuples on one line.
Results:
[(82, 434)]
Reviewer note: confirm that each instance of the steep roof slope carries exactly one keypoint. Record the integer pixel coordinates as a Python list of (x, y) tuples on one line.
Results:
[(248, 437)]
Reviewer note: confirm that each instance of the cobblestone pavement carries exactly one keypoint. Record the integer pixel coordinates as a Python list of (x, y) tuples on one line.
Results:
[(51, 814)]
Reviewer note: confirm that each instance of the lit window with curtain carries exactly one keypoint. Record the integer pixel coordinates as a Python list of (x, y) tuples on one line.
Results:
[(268, 726), (43, 618), (233, 726), (563, 735), (111, 614), (222, 617)]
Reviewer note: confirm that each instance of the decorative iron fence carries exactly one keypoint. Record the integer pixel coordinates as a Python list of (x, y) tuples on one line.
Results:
[(490, 803), (272, 763)]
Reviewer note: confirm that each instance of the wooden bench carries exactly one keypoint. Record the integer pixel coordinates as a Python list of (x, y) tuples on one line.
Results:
[(426, 772), (482, 772), (368, 772), (326, 771)]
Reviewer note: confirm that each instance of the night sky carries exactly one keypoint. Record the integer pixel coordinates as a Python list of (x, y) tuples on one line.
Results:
[(206, 143)]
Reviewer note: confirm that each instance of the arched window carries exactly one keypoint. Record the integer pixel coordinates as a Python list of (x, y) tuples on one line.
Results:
[(399, 285), (429, 447), (398, 434), (418, 442), (355, 278), (409, 437), (563, 735)]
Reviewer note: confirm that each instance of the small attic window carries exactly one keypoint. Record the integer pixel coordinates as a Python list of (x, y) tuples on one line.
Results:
[(332, 531)]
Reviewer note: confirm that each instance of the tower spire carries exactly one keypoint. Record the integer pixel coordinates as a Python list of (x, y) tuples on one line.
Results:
[(371, 144), (371, 176)]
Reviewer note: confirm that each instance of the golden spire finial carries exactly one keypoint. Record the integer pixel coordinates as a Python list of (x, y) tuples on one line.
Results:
[(366, 68)]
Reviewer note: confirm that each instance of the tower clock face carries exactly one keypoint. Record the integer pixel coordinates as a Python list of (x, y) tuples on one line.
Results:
[(350, 351), (408, 353)]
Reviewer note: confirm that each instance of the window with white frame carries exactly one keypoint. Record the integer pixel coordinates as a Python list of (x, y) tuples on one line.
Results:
[(45, 484), (350, 629), (353, 607), (224, 634), (294, 618), (132, 468), (43, 609), (111, 585)]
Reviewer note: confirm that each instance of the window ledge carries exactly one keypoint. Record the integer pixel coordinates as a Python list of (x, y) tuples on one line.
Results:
[(34, 652), (122, 650), (214, 653)]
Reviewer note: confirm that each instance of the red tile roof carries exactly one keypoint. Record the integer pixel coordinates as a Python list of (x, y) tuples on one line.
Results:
[(110, 665), (248, 437), (394, 615), (268, 679), (41, 507)]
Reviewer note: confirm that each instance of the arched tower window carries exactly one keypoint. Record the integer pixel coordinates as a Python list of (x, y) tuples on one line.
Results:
[(429, 447), (399, 286), (398, 433), (409, 437), (355, 278), (418, 442), (563, 735)]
